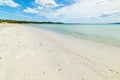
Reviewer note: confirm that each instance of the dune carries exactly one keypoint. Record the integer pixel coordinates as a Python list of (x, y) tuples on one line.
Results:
[(29, 53)]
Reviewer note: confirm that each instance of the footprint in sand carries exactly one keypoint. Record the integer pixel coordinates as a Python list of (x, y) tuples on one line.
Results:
[(110, 70), (117, 72), (60, 68), (44, 72), (40, 44), (18, 33), (0, 58), (83, 79)]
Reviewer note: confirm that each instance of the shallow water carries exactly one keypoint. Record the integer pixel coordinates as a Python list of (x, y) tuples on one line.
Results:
[(108, 33)]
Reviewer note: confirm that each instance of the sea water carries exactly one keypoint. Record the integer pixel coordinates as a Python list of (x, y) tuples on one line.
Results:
[(105, 33)]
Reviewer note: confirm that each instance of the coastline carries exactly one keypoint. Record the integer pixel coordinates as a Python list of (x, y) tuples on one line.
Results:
[(33, 53)]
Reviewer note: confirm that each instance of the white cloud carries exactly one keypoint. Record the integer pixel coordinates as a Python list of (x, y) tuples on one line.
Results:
[(86, 9), (8, 3), (30, 10), (82, 10), (47, 3)]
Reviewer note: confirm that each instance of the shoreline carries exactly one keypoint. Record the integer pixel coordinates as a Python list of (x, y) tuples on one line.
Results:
[(112, 39), (34, 53)]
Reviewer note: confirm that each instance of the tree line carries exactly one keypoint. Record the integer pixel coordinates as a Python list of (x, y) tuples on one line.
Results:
[(27, 22)]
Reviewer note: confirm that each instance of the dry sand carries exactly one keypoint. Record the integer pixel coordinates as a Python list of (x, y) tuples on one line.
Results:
[(28, 53)]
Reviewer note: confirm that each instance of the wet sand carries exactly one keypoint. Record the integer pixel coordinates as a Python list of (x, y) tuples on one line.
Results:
[(29, 53)]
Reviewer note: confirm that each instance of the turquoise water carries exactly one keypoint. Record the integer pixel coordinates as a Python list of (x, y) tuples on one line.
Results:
[(108, 33)]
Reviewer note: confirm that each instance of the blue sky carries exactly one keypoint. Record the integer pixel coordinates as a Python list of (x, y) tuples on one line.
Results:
[(72, 11)]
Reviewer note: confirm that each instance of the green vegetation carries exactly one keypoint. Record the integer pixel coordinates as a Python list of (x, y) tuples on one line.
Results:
[(27, 22)]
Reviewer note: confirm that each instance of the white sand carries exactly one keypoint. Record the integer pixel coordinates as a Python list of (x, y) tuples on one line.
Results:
[(28, 53)]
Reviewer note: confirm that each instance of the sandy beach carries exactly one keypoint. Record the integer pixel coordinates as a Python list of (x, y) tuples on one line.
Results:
[(29, 53)]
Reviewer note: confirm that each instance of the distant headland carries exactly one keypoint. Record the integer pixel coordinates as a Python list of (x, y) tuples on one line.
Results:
[(116, 23)]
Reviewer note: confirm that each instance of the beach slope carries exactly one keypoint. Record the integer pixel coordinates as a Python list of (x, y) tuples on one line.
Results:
[(29, 53)]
